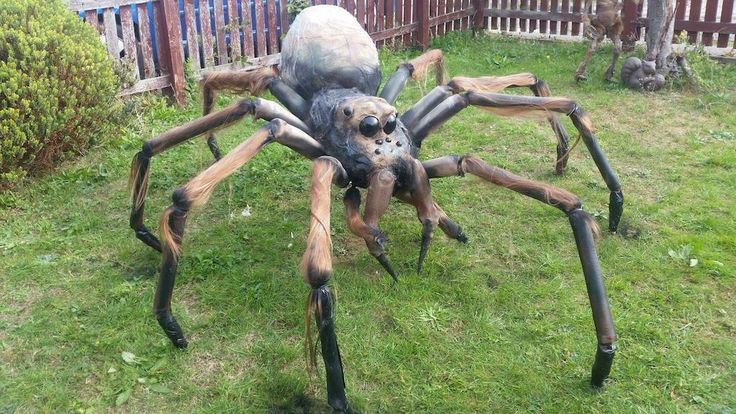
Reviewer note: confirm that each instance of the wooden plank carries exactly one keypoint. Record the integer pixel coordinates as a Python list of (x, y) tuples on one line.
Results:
[(166, 13), (349, 6), (219, 14), (206, 26), (145, 85), (395, 32), (554, 8), (465, 13), (273, 38), (542, 16), (381, 14), (399, 14), (423, 20), (126, 22), (361, 13), (285, 15), (523, 23), (513, 5), (408, 15), (495, 20), (90, 17), (564, 27), (78, 5), (144, 31), (190, 21), (694, 17), (389, 7), (260, 29), (713, 27), (233, 26), (528, 14), (711, 8), (503, 23), (111, 32), (726, 16), (576, 9), (465, 22), (370, 15), (533, 23), (680, 13), (246, 22)]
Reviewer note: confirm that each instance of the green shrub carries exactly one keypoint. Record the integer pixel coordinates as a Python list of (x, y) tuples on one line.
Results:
[(57, 88)]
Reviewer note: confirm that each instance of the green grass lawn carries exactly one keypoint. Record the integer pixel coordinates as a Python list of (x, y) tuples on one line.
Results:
[(501, 324)]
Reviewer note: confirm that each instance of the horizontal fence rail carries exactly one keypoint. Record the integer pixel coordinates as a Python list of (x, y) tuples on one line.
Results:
[(157, 38)]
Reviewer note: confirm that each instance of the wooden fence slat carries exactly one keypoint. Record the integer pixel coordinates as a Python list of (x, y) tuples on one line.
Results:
[(553, 8), (221, 45), (711, 7), (575, 10), (680, 13), (533, 23), (694, 17), (389, 7), (206, 26), (144, 31), (78, 5), (726, 16), (190, 21), (285, 15), (523, 23), (233, 24), (370, 15), (111, 32), (423, 20), (247, 25), (408, 15), (168, 43), (361, 13), (441, 11), (260, 29), (514, 5), (381, 14), (543, 22), (503, 23), (565, 9), (273, 38), (399, 15), (126, 22), (494, 20)]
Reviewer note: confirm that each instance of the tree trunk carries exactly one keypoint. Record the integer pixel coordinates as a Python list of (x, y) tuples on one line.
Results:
[(660, 31)]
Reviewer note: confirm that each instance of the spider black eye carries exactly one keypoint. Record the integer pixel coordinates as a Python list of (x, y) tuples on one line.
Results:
[(390, 124), (369, 126), (347, 111)]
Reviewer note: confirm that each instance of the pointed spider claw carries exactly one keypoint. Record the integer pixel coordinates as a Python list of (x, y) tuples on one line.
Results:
[(383, 260)]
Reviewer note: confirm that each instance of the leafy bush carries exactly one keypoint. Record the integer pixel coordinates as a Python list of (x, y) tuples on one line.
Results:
[(57, 88)]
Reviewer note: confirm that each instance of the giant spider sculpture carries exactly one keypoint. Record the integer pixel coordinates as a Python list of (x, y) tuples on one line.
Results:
[(605, 22), (358, 140)]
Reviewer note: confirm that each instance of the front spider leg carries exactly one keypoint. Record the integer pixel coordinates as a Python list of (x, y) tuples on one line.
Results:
[(316, 268), (514, 105), (140, 167), (374, 238), (583, 227), (196, 192)]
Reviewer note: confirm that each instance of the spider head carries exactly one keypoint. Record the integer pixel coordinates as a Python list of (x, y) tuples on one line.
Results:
[(367, 118)]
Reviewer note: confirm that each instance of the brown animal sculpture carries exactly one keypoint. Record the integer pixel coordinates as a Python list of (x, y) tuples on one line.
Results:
[(327, 81), (641, 75), (605, 22)]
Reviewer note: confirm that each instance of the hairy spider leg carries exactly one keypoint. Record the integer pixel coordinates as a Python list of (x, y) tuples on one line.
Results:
[(374, 238), (492, 84), (316, 268), (514, 105), (196, 192), (583, 226), (253, 82), (417, 69), (140, 166)]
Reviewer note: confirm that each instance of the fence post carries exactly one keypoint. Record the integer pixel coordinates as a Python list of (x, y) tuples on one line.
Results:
[(423, 20), (170, 43), (631, 30), (478, 20)]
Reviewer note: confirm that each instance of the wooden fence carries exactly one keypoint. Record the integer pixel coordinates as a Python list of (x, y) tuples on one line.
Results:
[(157, 37)]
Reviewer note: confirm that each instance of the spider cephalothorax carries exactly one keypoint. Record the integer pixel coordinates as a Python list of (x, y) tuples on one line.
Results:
[(327, 80)]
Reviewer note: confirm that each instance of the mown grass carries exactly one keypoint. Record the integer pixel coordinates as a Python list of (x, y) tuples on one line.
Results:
[(501, 324)]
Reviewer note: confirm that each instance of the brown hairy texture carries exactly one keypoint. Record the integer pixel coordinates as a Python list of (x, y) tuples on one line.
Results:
[(316, 264), (586, 122), (135, 171), (535, 112), (380, 190), (556, 197), (253, 81), (168, 239), (430, 59), (198, 190), (491, 84)]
